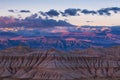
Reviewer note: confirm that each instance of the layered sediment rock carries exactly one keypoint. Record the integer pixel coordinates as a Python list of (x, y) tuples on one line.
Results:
[(30, 64)]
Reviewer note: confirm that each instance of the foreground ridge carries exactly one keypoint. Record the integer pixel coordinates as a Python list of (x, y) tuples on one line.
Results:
[(24, 63)]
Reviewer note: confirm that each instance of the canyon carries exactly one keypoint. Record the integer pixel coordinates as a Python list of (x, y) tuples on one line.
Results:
[(25, 63)]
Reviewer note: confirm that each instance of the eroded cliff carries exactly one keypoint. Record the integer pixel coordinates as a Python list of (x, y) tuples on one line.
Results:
[(31, 64)]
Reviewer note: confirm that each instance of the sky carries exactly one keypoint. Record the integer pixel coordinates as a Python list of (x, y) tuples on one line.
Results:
[(45, 5)]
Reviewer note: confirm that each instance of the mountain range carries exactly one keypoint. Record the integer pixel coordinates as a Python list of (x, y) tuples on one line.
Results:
[(60, 37)]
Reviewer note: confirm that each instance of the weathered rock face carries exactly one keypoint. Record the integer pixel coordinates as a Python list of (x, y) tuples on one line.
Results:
[(58, 65)]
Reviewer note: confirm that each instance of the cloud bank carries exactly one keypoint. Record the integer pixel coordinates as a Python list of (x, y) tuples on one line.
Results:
[(74, 12), (31, 21), (19, 11), (78, 12)]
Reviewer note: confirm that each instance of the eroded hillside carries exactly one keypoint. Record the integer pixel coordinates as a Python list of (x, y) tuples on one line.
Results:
[(24, 63)]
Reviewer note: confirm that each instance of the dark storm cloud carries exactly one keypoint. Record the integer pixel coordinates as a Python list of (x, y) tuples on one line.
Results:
[(25, 11), (52, 13), (115, 9), (107, 11), (104, 11), (77, 12), (73, 12), (85, 11), (42, 13), (101, 12), (55, 13), (70, 12)]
